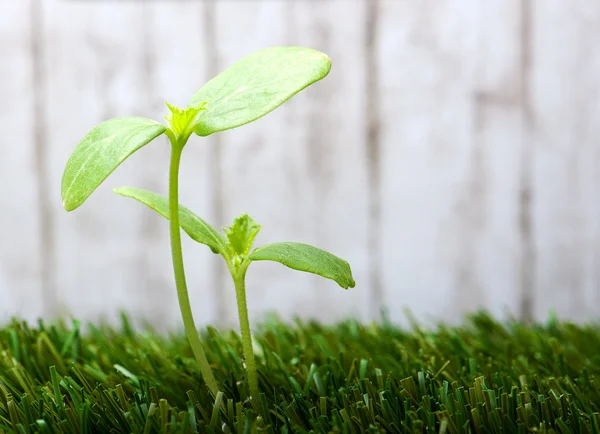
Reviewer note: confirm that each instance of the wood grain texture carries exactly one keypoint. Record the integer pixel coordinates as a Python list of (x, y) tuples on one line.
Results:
[(299, 171), (175, 61), (565, 102), (451, 156), (450, 135), (20, 248), (102, 64)]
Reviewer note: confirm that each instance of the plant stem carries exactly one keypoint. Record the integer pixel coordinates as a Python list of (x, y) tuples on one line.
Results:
[(239, 278), (182, 292)]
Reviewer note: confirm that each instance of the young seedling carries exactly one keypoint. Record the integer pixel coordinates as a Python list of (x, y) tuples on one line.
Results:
[(246, 91), (235, 248)]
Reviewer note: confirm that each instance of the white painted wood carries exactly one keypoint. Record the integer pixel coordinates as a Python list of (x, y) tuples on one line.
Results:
[(448, 160), (176, 66), (485, 228), (90, 59), (328, 152), (20, 286), (114, 253), (299, 170), (469, 96), (565, 95)]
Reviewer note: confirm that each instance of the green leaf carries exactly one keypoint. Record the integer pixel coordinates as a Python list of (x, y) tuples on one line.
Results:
[(181, 120), (256, 85), (241, 234), (307, 258), (194, 226), (100, 152)]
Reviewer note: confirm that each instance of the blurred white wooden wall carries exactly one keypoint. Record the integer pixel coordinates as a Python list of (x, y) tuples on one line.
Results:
[(452, 156)]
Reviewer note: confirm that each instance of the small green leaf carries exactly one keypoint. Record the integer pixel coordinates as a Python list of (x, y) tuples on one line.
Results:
[(100, 152), (181, 121), (307, 258), (241, 234), (256, 85), (194, 226)]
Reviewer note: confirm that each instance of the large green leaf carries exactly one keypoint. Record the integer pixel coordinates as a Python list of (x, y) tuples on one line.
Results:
[(256, 85), (307, 258), (194, 226), (100, 152)]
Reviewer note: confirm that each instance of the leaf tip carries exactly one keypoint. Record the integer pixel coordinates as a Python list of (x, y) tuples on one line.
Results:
[(327, 63), (69, 204), (346, 283), (124, 191)]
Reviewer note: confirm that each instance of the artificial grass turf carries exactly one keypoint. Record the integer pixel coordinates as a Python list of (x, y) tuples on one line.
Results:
[(483, 377)]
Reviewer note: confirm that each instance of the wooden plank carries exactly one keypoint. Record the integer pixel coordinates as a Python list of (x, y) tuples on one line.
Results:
[(565, 97), (447, 140), (489, 246), (20, 258), (331, 153), (373, 147), (102, 62), (176, 65), (488, 158), (300, 170)]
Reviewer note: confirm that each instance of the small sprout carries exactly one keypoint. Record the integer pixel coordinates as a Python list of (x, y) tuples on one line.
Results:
[(240, 237), (245, 92), (241, 234), (182, 122)]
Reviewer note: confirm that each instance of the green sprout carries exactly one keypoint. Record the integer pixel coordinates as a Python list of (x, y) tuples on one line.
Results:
[(235, 247), (246, 91)]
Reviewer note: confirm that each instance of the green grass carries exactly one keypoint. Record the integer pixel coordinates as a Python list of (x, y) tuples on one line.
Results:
[(483, 377)]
